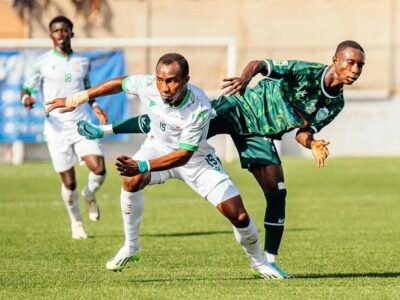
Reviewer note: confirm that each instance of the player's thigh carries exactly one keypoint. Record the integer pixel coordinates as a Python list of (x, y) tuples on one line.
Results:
[(84, 147), (207, 177), (256, 150), (62, 155), (269, 177)]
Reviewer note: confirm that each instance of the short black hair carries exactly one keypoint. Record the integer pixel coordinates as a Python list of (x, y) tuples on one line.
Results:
[(61, 19), (170, 58), (348, 44)]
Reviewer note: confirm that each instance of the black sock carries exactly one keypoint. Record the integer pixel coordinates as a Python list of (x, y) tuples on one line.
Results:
[(274, 220)]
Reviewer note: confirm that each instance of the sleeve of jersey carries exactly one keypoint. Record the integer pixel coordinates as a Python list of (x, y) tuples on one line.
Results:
[(131, 84), (192, 135), (32, 81), (280, 69)]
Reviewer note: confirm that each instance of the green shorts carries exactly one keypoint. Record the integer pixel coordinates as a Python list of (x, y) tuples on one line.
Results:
[(256, 150), (252, 149)]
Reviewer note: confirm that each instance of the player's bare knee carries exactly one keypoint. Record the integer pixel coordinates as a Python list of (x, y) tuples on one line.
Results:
[(71, 185), (98, 168), (241, 220)]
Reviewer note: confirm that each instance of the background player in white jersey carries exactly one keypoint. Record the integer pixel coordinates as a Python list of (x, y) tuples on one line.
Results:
[(176, 147), (60, 72)]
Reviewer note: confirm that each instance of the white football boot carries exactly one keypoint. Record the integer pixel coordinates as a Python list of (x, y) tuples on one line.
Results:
[(266, 271), (271, 259), (78, 231), (123, 256)]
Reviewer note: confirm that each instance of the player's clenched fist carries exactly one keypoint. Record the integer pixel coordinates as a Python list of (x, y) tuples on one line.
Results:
[(28, 101), (320, 151), (126, 166)]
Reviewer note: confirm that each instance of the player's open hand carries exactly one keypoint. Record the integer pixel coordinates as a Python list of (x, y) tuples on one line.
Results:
[(320, 151), (100, 114), (58, 103), (126, 166), (29, 101), (235, 85)]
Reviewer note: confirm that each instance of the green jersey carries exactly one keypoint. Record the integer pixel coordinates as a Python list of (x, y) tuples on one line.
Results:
[(291, 96)]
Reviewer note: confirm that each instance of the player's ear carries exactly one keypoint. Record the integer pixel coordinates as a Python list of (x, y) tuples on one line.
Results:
[(72, 34), (187, 79), (334, 59)]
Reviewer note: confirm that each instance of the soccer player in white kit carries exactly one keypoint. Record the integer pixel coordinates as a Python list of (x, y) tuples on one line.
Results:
[(176, 147), (60, 72)]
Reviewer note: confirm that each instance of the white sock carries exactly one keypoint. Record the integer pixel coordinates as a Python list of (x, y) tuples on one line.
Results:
[(71, 202), (271, 258), (132, 205), (94, 183), (248, 238)]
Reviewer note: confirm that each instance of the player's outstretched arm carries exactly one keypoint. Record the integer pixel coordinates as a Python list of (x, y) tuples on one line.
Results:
[(319, 148), (109, 87), (136, 124), (234, 85), (126, 166)]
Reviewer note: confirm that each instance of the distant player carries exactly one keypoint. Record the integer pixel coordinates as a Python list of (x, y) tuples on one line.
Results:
[(57, 73), (294, 94), (176, 147)]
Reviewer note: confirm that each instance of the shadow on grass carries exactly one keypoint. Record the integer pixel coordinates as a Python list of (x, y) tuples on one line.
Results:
[(349, 275), (192, 279), (183, 234), (309, 276), (196, 233)]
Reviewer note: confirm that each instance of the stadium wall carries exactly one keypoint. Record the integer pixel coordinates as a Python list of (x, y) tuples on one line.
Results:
[(301, 29)]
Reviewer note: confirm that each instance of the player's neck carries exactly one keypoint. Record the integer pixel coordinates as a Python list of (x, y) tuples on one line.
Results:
[(182, 98), (332, 84), (63, 52)]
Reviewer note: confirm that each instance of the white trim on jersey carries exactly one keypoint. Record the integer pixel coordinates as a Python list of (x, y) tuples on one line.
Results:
[(322, 85), (269, 68)]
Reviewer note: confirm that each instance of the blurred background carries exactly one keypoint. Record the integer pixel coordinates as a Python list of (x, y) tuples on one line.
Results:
[(218, 37)]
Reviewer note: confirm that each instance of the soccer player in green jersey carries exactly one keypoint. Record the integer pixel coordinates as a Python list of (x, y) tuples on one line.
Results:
[(294, 95)]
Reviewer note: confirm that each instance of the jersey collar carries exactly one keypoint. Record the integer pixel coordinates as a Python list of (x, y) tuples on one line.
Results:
[(322, 85), (58, 53), (185, 99)]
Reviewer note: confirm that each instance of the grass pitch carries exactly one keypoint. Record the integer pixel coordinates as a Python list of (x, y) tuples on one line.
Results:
[(342, 237)]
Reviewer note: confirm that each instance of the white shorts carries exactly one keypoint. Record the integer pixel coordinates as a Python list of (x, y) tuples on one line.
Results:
[(65, 153), (203, 174)]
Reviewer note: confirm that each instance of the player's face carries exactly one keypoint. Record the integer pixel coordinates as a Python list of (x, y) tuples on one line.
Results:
[(170, 83), (349, 64), (61, 35)]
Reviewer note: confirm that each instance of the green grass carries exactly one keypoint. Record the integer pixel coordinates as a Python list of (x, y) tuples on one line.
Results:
[(342, 238)]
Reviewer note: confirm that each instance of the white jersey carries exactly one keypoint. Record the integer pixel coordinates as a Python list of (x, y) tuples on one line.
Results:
[(58, 76), (182, 127)]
